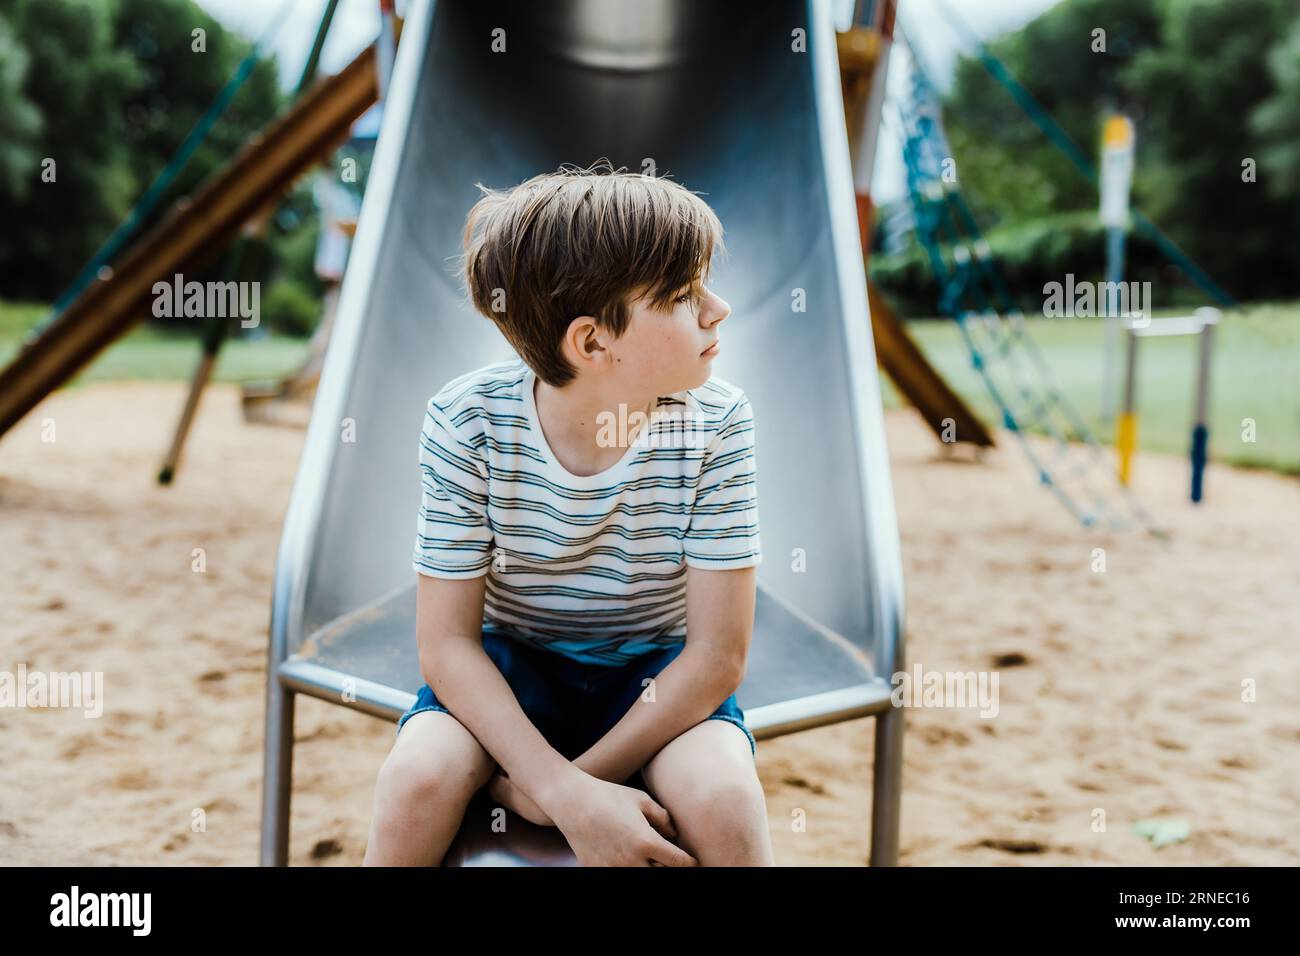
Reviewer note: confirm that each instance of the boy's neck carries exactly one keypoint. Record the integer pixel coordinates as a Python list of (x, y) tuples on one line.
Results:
[(569, 419)]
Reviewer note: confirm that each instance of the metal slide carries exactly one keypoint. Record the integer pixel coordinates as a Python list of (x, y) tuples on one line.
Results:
[(716, 95)]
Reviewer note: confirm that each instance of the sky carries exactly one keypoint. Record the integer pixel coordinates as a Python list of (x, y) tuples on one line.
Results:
[(356, 23)]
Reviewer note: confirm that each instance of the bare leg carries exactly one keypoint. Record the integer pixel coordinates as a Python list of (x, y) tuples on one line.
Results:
[(706, 780), (435, 768)]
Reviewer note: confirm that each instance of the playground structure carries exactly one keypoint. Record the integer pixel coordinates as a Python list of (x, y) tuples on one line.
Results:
[(193, 233), (974, 293), (1201, 325), (993, 328), (864, 50), (690, 87), (98, 311), (362, 639)]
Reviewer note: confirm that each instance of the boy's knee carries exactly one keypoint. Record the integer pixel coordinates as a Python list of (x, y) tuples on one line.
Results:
[(725, 822), (720, 802), (423, 779)]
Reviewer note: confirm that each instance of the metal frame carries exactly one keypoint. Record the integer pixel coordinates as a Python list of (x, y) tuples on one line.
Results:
[(1201, 324)]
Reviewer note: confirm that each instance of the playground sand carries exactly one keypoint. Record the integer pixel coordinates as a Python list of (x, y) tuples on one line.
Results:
[(1120, 692)]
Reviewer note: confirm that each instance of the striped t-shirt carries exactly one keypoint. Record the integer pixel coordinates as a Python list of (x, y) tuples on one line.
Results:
[(593, 567)]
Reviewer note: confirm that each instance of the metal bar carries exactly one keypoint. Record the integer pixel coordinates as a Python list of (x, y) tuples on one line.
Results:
[(1181, 325), (887, 788), (1111, 323), (277, 773), (1126, 427), (1200, 430)]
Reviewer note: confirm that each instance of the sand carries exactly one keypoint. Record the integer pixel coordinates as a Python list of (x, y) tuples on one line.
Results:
[(1121, 693)]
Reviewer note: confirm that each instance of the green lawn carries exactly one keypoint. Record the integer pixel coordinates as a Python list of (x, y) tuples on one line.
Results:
[(149, 353), (1256, 374)]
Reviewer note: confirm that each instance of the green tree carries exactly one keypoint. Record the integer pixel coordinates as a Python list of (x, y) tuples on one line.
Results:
[(20, 121), (116, 86), (1276, 122), (1208, 84), (1200, 88), (182, 75), (75, 78), (1072, 59)]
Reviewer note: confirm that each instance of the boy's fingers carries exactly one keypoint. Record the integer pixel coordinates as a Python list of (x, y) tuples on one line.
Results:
[(664, 853), (658, 817)]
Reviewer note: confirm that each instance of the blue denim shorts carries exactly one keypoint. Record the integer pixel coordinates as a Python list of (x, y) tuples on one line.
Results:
[(573, 704)]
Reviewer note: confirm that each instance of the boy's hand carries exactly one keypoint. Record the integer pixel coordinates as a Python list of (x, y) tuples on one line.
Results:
[(608, 824), (504, 792)]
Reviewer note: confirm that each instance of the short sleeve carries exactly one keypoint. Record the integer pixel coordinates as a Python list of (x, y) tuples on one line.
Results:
[(723, 530), (453, 537)]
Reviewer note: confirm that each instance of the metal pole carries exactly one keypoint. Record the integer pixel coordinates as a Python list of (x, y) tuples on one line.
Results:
[(1126, 434), (1200, 428), (313, 58), (1111, 323)]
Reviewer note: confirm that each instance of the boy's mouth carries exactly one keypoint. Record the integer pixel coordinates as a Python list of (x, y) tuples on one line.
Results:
[(712, 349)]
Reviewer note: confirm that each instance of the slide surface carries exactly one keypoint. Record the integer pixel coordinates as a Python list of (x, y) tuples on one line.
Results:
[(714, 95)]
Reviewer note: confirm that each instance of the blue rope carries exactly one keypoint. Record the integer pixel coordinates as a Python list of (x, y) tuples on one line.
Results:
[(146, 203), (942, 216)]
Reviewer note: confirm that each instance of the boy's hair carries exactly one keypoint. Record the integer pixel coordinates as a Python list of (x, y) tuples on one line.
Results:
[(581, 242)]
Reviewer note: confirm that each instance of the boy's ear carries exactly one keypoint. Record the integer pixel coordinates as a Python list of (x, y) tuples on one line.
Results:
[(583, 335)]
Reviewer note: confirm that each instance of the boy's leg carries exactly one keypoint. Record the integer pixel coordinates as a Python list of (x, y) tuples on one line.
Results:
[(427, 781), (707, 781)]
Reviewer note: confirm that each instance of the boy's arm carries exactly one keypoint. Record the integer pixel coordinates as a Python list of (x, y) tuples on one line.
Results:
[(453, 554), (448, 624), (719, 626), (721, 548)]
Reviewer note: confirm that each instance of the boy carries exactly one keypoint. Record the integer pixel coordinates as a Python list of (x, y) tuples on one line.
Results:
[(586, 566)]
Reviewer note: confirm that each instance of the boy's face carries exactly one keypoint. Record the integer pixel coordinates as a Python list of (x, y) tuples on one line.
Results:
[(664, 351)]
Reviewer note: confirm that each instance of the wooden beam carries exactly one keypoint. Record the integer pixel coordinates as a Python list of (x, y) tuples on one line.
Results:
[(919, 383)]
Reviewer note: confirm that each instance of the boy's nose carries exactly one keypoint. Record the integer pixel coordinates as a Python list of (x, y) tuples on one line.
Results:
[(721, 309)]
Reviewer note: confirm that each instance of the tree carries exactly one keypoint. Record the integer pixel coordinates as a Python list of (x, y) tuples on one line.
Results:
[(1072, 59), (116, 86), (1200, 88), (74, 80), (1276, 123), (20, 120), (1209, 83), (181, 76)]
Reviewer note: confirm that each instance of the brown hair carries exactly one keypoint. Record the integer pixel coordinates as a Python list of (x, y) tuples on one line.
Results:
[(581, 242)]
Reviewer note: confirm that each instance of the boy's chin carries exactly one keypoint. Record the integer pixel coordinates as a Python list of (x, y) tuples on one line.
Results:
[(704, 373), (686, 380)]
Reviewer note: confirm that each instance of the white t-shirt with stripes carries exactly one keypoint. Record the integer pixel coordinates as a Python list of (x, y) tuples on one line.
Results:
[(593, 567)]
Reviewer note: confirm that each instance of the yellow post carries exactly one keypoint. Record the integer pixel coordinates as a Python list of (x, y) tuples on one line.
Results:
[(1126, 443), (1126, 427)]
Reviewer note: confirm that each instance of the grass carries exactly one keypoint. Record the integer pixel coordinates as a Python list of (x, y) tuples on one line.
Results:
[(147, 352), (1256, 374)]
